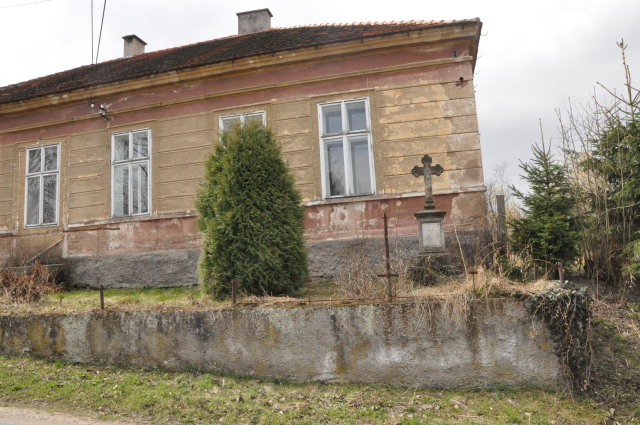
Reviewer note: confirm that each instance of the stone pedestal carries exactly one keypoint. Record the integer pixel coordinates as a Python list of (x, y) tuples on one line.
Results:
[(431, 231)]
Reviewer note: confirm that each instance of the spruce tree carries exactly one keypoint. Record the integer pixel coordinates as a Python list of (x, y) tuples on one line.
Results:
[(547, 232), (251, 217)]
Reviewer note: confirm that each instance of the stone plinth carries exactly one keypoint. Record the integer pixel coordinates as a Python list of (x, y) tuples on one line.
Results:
[(431, 231)]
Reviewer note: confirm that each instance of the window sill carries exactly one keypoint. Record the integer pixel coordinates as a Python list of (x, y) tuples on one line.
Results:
[(128, 219), (40, 226), (356, 198), (363, 198)]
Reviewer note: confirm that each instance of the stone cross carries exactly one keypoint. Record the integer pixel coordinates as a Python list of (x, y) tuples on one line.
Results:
[(427, 170)]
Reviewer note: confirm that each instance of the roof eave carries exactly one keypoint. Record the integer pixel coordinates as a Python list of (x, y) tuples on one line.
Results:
[(123, 85)]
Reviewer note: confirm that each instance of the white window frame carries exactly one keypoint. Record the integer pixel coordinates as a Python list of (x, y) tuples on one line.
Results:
[(41, 174), (130, 162), (242, 116), (324, 172)]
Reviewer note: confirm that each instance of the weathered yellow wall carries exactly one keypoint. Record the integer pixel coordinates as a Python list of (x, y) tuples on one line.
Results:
[(292, 123), (437, 119), (7, 177), (88, 179), (407, 122), (180, 148)]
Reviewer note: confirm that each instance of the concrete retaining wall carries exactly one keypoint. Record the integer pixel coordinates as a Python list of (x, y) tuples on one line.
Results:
[(496, 342)]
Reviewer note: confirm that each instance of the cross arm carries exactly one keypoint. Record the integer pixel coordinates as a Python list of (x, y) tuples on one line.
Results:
[(417, 171)]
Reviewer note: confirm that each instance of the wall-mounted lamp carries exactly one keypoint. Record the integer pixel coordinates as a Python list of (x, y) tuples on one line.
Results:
[(461, 82), (104, 112)]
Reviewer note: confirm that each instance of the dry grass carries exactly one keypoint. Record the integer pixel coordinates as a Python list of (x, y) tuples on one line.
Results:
[(360, 284), (29, 285), (484, 284), (267, 301)]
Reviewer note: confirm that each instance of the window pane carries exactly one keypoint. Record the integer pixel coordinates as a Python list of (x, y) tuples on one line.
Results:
[(34, 160), (121, 190), (357, 116), (139, 189), (253, 117), (49, 194), (51, 158), (332, 119), (227, 123), (335, 167), (360, 165), (141, 144), (33, 200), (121, 147)]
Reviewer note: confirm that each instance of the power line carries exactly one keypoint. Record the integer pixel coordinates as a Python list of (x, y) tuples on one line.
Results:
[(24, 4), (104, 7)]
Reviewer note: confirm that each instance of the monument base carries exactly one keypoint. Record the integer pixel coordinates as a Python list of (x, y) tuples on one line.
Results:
[(431, 231)]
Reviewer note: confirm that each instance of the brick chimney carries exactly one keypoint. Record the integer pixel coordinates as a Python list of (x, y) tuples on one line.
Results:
[(133, 45), (254, 21)]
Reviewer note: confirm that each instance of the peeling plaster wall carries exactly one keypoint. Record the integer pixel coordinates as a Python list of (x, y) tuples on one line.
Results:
[(495, 342), (348, 219)]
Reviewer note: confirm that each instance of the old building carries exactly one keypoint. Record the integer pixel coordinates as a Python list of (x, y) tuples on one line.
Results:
[(100, 165)]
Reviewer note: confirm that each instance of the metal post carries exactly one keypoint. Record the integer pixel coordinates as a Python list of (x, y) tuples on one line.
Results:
[(473, 274), (561, 272), (101, 297), (502, 228), (386, 253), (233, 292), (308, 281)]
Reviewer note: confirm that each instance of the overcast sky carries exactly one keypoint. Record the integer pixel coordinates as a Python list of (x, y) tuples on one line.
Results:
[(534, 56)]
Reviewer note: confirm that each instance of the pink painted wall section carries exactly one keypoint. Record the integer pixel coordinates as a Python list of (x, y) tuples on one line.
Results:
[(133, 236), (336, 219), (275, 81), (353, 218)]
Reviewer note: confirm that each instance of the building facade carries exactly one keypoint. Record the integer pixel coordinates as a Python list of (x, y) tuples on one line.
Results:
[(100, 165)]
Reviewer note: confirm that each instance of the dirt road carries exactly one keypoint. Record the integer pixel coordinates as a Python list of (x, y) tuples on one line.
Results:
[(22, 416)]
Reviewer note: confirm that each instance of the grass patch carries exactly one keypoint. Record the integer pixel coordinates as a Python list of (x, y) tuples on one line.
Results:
[(183, 298), (197, 398), (77, 301)]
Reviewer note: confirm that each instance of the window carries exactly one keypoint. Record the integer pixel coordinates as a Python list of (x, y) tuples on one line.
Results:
[(227, 121), (41, 186), (345, 137), (130, 161)]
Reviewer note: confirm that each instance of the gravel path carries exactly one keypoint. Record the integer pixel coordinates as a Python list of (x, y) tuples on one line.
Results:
[(23, 416)]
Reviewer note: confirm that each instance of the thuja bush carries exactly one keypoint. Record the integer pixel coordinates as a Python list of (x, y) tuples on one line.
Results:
[(251, 216)]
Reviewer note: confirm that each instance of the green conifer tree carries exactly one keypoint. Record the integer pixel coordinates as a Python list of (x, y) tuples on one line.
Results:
[(251, 217), (547, 232)]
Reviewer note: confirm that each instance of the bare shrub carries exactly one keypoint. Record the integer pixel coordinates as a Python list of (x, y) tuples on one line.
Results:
[(403, 285), (28, 285), (359, 279), (426, 270)]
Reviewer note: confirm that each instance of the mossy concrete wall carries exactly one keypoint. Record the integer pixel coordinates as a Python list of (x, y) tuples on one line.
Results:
[(494, 342)]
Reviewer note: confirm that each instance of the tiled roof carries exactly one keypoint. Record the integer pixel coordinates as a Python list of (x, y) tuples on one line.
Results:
[(209, 52)]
